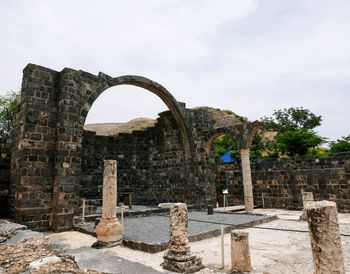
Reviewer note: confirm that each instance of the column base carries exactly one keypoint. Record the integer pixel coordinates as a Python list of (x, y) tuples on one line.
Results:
[(182, 263), (109, 232), (100, 245)]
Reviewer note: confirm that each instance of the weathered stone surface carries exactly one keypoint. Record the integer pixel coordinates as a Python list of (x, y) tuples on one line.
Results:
[(10, 229), (70, 240), (188, 266), (44, 262), (308, 197), (108, 230), (325, 237), (178, 258), (178, 229), (106, 262), (240, 253), (22, 236), (247, 180)]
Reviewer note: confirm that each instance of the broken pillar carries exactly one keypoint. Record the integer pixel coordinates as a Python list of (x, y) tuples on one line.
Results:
[(178, 258), (240, 254), (108, 230), (307, 197), (325, 237), (247, 180)]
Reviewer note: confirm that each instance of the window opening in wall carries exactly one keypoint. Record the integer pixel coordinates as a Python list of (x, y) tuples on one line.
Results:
[(123, 109)]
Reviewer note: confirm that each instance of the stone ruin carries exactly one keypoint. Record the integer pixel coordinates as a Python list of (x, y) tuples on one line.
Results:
[(179, 258), (54, 161)]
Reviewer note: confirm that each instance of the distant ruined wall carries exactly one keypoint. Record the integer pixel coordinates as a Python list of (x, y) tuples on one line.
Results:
[(281, 181), (151, 163), (5, 176)]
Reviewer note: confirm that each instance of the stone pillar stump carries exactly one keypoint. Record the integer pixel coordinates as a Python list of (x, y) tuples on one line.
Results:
[(247, 180), (109, 230), (307, 197), (178, 258), (325, 237), (240, 253)]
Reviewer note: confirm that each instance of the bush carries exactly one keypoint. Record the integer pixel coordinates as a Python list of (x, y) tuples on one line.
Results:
[(297, 142), (225, 143), (9, 105), (341, 145)]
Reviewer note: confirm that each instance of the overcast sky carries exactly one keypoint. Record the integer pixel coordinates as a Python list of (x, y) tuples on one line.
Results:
[(247, 56)]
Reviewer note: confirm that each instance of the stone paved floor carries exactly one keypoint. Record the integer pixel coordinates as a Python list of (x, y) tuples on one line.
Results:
[(155, 229)]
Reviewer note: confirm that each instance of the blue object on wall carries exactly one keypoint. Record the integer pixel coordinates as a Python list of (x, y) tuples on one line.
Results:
[(226, 158)]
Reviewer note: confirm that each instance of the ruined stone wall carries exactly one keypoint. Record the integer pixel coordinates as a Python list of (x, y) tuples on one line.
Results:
[(5, 177), (151, 163), (49, 149), (281, 181), (33, 152)]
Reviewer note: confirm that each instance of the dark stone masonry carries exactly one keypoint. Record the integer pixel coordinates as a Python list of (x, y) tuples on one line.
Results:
[(52, 162), (278, 183), (5, 178)]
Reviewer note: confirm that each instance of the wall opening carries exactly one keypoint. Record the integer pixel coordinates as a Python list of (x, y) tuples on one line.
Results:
[(223, 149), (141, 145), (123, 109)]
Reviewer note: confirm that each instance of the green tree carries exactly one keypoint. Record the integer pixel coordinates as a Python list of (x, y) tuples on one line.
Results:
[(294, 127), (341, 145), (9, 105), (225, 143), (292, 119), (263, 146), (297, 142)]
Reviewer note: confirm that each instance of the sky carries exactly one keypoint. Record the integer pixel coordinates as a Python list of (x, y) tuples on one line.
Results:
[(248, 56)]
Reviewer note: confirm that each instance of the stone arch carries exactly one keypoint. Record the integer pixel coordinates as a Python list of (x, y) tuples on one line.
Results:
[(247, 134), (173, 105), (243, 134), (212, 135)]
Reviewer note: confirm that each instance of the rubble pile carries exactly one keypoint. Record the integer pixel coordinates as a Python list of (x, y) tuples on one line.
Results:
[(23, 250)]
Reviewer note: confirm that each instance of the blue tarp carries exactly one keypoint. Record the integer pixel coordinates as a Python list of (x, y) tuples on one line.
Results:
[(226, 158)]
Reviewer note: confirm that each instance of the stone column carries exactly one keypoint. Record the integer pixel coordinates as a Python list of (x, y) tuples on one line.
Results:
[(240, 254), (108, 230), (325, 237), (308, 197), (178, 258), (247, 180)]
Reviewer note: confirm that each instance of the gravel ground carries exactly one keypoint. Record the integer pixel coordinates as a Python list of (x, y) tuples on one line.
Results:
[(155, 229)]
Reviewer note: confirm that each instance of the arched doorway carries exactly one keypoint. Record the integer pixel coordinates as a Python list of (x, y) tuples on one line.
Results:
[(142, 148), (72, 113), (175, 107)]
